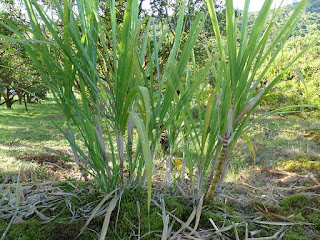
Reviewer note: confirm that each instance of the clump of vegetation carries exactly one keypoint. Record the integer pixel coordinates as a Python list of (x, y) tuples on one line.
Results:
[(131, 215), (36, 230), (178, 207), (300, 207), (299, 201), (216, 218), (140, 95), (315, 219), (314, 135), (301, 165), (297, 233)]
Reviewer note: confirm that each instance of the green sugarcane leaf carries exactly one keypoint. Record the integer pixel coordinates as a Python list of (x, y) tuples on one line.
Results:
[(300, 74), (249, 145), (129, 100), (207, 120), (143, 134)]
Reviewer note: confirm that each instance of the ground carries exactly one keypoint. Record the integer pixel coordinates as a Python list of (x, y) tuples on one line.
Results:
[(275, 194)]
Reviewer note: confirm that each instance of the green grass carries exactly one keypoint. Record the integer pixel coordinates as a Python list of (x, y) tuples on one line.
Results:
[(29, 133), (277, 139)]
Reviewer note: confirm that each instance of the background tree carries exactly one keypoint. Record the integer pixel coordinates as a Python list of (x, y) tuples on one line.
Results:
[(6, 67), (15, 65)]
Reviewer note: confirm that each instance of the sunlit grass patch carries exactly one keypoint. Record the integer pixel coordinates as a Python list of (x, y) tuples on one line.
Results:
[(276, 139), (301, 165), (29, 133), (314, 135)]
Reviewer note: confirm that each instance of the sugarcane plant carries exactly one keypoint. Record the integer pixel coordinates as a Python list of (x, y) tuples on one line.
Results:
[(108, 82), (245, 57)]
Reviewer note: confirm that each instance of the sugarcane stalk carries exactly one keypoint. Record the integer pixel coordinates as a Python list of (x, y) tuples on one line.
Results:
[(119, 138), (130, 141), (218, 171)]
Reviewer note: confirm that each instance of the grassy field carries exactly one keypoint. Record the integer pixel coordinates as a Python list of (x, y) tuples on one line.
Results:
[(280, 185), (31, 137), (277, 139)]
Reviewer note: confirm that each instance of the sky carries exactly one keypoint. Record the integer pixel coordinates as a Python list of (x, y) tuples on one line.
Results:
[(255, 5)]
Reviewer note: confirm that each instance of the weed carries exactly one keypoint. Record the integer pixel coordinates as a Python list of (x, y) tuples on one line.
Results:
[(299, 201), (178, 207), (314, 135), (296, 233), (301, 164)]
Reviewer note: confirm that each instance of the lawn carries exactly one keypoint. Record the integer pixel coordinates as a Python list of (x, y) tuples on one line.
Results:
[(277, 139), (30, 138)]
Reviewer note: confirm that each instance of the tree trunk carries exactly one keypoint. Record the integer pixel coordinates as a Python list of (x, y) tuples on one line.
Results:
[(19, 98), (7, 98), (9, 103), (25, 102), (29, 98)]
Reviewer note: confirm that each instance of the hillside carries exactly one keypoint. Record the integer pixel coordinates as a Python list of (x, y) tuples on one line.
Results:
[(301, 84), (309, 20)]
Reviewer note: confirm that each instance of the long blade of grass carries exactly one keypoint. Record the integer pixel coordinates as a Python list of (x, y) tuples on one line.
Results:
[(146, 151), (250, 145), (95, 210), (106, 221)]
